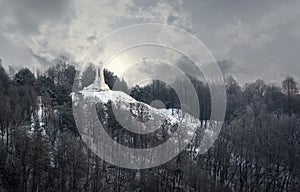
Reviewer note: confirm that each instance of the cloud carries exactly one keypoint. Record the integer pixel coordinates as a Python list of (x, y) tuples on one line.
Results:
[(43, 60), (255, 38), (26, 16), (48, 29), (241, 33), (262, 45), (167, 12), (265, 29), (151, 69), (12, 54), (229, 67)]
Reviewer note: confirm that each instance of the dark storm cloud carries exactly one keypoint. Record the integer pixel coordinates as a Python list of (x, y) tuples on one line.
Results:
[(260, 37), (227, 67), (26, 16), (185, 65), (250, 39)]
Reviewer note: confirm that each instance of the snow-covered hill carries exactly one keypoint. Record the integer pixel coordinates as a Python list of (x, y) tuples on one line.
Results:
[(140, 110), (106, 119), (138, 117)]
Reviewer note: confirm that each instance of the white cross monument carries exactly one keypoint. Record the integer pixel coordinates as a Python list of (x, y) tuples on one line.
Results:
[(99, 83)]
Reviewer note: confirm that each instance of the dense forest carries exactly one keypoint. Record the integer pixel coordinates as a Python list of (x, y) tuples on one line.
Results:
[(41, 150)]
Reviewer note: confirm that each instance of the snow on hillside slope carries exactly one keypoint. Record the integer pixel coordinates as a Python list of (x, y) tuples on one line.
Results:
[(142, 118), (128, 103)]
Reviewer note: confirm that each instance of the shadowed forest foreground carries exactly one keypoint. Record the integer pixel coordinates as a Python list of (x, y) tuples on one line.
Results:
[(41, 150)]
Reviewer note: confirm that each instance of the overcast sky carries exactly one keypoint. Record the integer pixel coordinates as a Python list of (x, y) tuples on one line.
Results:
[(250, 39)]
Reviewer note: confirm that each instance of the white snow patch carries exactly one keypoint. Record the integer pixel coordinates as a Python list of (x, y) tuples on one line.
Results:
[(173, 116)]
